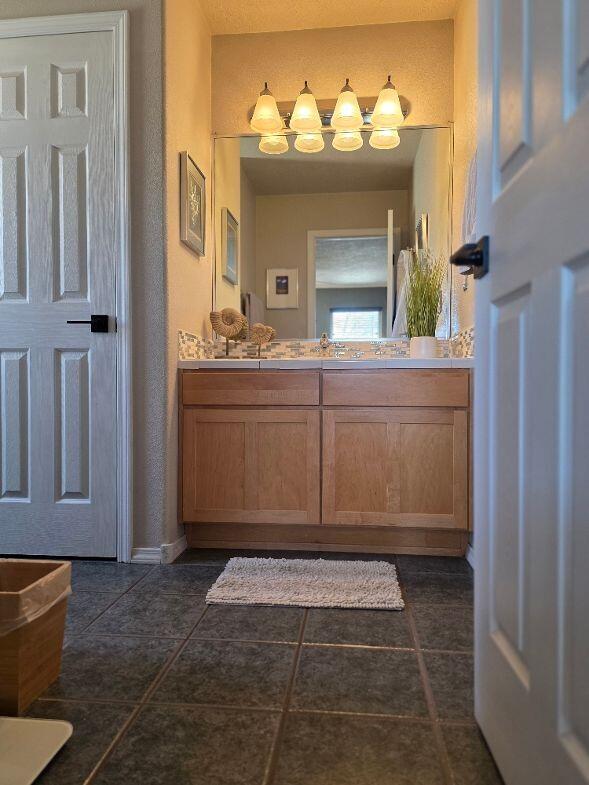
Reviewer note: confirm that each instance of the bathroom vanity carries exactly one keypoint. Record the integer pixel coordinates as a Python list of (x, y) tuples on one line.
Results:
[(352, 459), (342, 443)]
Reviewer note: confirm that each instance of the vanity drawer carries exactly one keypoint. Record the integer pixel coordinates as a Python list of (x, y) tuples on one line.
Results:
[(397, 387), (258, 388)]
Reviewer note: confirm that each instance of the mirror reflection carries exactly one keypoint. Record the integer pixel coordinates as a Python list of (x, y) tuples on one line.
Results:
[(320, 243)]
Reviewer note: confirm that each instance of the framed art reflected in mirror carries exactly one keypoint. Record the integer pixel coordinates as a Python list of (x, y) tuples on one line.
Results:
[(192, 205), (230, 247), (282, 287), (422, 233)]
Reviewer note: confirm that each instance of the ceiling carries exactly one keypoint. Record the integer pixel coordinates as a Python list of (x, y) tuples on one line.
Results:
[(330, 171), (261, 16), (350, 262)]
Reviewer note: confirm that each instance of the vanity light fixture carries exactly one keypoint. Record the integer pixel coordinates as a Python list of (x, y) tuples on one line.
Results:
[(384, 138), (347, 115), (305, 117), (347, 141), (387, 112), (266, 118), (309, 143), (273, 144)]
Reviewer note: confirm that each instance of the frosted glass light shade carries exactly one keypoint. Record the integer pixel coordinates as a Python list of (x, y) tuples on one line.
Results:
[(266, 117), (273, 144), (347, 115), (309, 143), (387, 111), (305, 116), (384, 138), (348, 140)]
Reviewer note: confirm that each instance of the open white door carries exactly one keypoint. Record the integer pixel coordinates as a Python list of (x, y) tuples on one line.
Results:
[(532, 392)]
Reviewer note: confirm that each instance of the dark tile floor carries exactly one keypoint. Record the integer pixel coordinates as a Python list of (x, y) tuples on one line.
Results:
[(163, 690)]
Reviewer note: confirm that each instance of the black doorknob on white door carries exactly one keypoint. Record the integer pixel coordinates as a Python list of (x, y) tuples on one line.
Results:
[(475, 256), (98, 322)]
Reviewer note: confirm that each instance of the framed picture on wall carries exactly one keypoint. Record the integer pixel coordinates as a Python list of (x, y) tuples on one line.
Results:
[(229, 247), (282, 287), (192, 205)]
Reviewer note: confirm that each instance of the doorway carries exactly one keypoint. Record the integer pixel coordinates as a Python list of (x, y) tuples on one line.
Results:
[(351, 289)]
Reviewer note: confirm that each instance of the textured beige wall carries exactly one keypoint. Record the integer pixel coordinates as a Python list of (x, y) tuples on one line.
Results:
[(431, 194), (247, 235), (147, 245), (188, 290), (465, 142), (419, 55), (227, 194), (255, 16), (282, 223), (431, 186)]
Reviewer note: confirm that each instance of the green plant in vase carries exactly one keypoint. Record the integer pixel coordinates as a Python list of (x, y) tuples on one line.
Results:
[(424, 298)]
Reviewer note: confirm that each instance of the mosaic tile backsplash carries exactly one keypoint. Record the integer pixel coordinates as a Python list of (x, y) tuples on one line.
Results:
[(462, 344), (194, 347)]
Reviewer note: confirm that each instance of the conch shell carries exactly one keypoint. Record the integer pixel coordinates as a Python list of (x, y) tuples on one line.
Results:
[(262, 333), (229, 323)]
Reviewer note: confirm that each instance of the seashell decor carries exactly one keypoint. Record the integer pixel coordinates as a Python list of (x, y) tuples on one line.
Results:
[(261, 334), (230, 324)]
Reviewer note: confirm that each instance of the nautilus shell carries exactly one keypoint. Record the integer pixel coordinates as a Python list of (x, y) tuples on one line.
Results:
[(229, 323), (262, 333)]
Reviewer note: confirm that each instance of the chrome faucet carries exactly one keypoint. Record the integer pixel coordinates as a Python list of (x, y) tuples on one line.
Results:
[(324, 341)]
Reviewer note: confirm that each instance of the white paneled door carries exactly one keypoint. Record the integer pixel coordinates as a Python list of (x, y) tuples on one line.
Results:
[(58, 390), (532, 392)]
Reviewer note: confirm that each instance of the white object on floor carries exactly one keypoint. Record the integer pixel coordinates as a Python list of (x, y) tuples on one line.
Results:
[(310, 583), (27, 746)]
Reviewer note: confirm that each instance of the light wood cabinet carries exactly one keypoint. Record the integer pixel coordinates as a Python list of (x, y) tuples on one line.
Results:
[(399, 387), (372, 461), (396, 466), (250, 465), (251, 388)]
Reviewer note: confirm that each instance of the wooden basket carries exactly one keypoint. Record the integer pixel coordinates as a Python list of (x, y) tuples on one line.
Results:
[(30, 654)]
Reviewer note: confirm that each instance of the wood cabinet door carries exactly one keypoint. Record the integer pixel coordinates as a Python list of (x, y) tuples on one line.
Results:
[(396, 466), (251, 466)]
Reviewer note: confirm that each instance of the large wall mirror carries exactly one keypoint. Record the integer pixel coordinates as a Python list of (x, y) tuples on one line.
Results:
[(318, 243)]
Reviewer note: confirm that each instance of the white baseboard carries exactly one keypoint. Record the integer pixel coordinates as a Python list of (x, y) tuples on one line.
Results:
[(146, 556), (165, 554), (171, 550), (470, 555)]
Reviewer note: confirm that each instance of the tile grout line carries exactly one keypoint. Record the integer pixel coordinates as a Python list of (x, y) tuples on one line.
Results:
[(371, 647), (275, 751), (117, 598), (408, 573), (440, 604), (141, 635), (143, 702), (311, 644), (269, 710), (429, 604), (430, 701)]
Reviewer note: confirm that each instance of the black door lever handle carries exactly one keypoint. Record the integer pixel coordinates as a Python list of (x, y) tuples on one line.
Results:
[(473, 255), (98, 322)]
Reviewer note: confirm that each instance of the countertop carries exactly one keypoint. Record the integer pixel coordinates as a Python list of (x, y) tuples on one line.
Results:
[(328, 363)]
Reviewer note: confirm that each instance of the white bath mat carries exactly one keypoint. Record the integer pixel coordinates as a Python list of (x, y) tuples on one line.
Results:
[(310, 583)]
